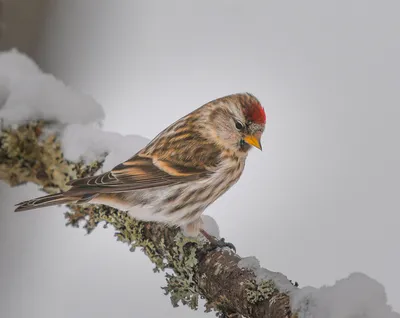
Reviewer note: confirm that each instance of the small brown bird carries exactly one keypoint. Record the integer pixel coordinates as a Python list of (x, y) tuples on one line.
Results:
[(181, 171)]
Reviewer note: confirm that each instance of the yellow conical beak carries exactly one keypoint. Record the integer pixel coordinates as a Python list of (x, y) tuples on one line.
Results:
[(253, 141)]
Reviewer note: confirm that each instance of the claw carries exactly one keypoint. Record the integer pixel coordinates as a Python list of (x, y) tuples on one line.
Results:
[(217, 243), (222, 243)]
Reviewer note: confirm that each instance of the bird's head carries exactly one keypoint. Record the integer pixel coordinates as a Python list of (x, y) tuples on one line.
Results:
[(238, 121)]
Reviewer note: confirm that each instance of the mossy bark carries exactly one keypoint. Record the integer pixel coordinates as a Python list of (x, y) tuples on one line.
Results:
[(29, 155)]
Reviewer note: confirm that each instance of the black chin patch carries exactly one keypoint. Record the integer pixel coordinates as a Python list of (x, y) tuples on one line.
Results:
[(244, 146)]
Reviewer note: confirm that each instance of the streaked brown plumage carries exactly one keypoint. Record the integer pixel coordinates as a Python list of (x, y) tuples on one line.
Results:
[(181, 171)]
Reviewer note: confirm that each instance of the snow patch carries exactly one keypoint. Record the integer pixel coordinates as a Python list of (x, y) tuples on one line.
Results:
[(251, 263), (43, 97), (263, 274), (89, 143), (210, 226), (357, 296), (14, 65), (26, 93)]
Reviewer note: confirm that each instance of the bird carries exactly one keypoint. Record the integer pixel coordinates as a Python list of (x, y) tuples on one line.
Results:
[(179, 173)]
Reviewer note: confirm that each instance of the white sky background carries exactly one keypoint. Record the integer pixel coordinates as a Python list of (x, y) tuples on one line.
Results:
[(319, 202)]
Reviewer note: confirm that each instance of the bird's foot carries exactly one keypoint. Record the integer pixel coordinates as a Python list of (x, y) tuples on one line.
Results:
[(215, 243), (222, 243)]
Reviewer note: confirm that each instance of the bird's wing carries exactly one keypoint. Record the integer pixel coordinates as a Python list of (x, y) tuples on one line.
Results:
[(177, 155), (137, 173)]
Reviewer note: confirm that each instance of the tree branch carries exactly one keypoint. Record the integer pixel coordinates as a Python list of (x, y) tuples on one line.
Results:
[(29, 155), (232, 286)]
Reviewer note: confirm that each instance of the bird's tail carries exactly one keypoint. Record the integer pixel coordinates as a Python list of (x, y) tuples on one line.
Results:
[(48, 200)]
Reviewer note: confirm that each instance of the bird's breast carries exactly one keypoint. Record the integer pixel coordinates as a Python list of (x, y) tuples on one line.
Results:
[(184, 203)]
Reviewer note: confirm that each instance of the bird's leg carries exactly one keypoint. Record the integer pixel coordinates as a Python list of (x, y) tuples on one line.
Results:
[(194, 228), (217, 243)]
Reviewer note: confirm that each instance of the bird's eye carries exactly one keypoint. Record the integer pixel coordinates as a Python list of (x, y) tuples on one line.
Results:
[(239, 125)]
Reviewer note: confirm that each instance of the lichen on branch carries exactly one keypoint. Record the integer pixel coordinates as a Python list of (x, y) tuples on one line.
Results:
[(28, 153), (32, 153)]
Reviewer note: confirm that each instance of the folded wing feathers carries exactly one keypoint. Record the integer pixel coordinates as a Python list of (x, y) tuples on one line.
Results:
[(135, 174)]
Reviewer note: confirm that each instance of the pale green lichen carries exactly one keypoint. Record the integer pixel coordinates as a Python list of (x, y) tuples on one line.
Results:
[(28, 155), (259, 292), (181, 285), (181, 258)]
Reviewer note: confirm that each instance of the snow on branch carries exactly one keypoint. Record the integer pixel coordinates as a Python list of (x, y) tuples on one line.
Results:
[(51, 133)]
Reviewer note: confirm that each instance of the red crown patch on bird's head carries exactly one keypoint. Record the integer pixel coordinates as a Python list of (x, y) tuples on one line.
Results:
[(256, 113)]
